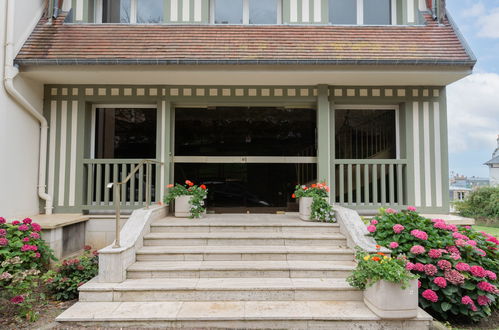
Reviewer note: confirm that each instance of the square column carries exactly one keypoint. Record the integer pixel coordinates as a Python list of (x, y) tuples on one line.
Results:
[(323, 134)]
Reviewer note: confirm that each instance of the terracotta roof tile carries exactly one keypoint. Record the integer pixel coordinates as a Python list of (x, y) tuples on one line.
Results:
[(113, 44)]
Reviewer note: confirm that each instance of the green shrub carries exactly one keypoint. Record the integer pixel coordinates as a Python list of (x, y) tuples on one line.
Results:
[(63, 283), (457, 265), (482, 203)]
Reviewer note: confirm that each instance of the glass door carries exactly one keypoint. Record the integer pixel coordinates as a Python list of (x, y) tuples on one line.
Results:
[(250, 158)]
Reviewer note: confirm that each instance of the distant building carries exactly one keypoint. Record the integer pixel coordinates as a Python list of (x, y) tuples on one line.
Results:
[(461, 186), (493, 165)]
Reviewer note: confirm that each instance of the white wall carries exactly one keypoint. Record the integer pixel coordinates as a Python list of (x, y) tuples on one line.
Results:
[(494, 175), (19, 132)]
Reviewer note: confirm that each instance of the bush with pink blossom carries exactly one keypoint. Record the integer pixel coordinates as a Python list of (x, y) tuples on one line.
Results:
[(457, 266)]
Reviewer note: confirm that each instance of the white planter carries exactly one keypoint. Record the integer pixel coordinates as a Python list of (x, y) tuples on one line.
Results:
[(183, 207), (306, 208), (389, 301)]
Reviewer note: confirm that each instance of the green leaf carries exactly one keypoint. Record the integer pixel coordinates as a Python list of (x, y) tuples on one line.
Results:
[(445, 306)]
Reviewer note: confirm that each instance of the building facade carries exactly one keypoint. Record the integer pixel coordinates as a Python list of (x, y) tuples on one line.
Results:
[(493, 165), (248, 97)]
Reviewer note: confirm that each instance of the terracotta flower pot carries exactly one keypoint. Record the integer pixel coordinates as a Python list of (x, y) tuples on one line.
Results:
[(389, 301), (306, 208), (182, 206)]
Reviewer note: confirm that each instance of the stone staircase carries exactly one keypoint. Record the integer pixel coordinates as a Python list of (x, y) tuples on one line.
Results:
[(235, 271)]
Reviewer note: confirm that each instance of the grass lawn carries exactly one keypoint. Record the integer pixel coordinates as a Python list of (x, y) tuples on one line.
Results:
[(489, 230)]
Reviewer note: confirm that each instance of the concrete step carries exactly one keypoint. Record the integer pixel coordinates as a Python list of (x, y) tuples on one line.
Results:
[(172, 225), (235, 315), (243, 238), (223, 269), (244, 252), (221, 289)]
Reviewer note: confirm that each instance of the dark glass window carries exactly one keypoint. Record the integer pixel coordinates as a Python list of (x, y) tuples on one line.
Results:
[(116, 11), (245, 131), (343, 11), (228, 11), (150, 11), (128, 133), (365, 134), (377, 12), (263, 12)]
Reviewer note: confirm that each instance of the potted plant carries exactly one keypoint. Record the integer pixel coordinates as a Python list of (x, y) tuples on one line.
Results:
[(390, 290), (313, 202), (189, 199)]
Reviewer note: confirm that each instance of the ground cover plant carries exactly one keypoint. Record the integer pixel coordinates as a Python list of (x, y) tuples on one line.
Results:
[(24, 257), (457, 266)]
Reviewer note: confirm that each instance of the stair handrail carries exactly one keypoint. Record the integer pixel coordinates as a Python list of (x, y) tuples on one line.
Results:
[(117, 196)]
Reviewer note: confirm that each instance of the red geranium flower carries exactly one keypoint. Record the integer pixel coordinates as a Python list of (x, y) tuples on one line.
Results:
[(293, 196), (202, 187), (189, 183)]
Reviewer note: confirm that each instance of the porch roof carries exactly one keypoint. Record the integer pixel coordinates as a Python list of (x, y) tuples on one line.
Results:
[(108, 44)]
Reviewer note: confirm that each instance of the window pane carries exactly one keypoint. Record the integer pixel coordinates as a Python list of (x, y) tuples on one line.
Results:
[(377, 12), (150, 11), (116, 11), (263, 12), (343, 11), (229, 12), (365, 134)]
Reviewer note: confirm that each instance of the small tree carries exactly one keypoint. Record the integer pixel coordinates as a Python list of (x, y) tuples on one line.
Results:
[(481, 204)]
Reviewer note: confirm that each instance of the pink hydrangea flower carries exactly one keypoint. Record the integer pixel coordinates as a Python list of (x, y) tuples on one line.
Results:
[(460, 236), (36, 227), (23, 227), (480, 252), (409, 266), (430, 295), (483, 300), (471, 242), (3, 232), (411, 208), (435, 253), (27, 221), (440, 281), (374, 222), (17, 299), (430, 269), (419, 267), (491, 275), (397, 229), (419, 234), (393, 245), (417, 249), (466, 300), (15, 222), (454, 276), (460, 242), (455, 256), (486, 286), (440, 225), (27, 247), (419, 284), (462, 267), (444, 264), (26, 239), (467, 227), (37, 255), (451, 228), (477, 271), (390, 211), (3, 241), (452, 249), (371, 228), (2, 221), (34, 235)]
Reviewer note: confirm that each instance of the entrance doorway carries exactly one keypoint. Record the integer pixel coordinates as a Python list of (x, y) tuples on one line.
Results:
[(250, 158)]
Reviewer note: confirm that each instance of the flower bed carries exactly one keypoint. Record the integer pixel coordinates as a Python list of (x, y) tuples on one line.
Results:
[(457, 265)]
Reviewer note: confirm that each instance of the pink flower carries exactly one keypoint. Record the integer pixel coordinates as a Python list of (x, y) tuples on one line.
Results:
[(36, 227), (452, 228), (466, 300), (471, 242), (2, 221), (27, 221), (452, 249), (467, 227), (419, 267), (390, 211), (3, 232), (35, 235), (486, 286), (430, 295), (409, 266), (17, 299), (444, 264), (454, 276), (15, 223), (397, 229), (483, 300), (5, 276), (26, 239), (440, 281), (394, 245), (37, 255), (419, 284), (23, 227), (460, 236), (477, 271), (440, 225), (371, 228), (480, 252), (411, 208), (374, 222), (455, 256), (419, 234), (491, 275), (430, 269), (435, 253), (3, 241), (460, 242), (417, 249), (462, 267)]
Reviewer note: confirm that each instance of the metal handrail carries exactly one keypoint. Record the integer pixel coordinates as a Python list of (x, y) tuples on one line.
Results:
[(117, 197)]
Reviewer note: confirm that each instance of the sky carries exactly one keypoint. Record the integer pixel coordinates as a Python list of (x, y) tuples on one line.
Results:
[(473, 102)]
